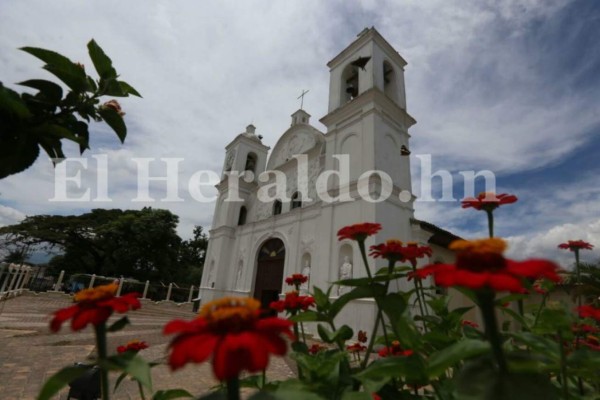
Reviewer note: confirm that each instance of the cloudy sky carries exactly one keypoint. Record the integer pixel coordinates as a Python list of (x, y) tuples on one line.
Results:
[(509, 86)]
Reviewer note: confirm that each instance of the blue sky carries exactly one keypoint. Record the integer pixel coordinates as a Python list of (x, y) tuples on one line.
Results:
[(510, 86)]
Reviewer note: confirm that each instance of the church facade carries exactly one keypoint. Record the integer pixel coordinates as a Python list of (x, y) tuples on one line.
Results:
[(263, 232)]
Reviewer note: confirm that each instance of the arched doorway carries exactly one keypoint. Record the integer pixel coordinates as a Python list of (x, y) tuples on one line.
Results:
[(269, 272)]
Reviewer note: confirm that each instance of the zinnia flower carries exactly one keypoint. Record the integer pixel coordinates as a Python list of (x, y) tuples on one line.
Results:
[(358, 232), (296, 279), (588, 311), (356, 348), (584, 328), (590, 341), (394, 350), (293, 303), (480, 263), (576, 245), (488, 201), (362, 336), (133, 346), (466, 322), (395, 250), (315, 348), (94, 306), (231, 330)]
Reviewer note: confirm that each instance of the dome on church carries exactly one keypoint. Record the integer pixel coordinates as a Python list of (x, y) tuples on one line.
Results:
[(300, 138)]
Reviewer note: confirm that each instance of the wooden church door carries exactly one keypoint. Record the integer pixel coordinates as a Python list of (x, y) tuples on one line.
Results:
[(269, 272)]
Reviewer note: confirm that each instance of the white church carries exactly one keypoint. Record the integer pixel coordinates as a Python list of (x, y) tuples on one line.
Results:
[(254, 244)]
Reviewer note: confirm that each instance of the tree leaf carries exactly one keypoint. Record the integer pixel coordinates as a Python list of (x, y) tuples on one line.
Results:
[(139, 370), (102, 62), (67, 71), (50, 90), (11, 102), (127, 88), (115, 121), (59, 381)]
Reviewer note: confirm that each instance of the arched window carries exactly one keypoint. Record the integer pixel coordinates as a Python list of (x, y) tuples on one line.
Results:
[(277, 205), (349, 84), (250, 162), (242, 217), (389, 81), (296, 200)]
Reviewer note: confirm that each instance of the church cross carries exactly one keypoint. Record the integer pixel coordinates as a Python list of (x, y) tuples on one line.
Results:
[(302, 98)]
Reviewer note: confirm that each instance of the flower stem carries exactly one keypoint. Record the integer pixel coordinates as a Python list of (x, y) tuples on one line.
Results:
[(233, 389), (372, 340), (486, 305), (101, 349), (141, 391), (539, 311), (578, 272), (490, 217), (363, 253), (563, 366)]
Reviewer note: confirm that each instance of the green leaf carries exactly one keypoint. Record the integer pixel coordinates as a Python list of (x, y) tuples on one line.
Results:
[(50, 90), (440, 361), (12, 103), (480, 380), (171, 394), (360, 292), (59, 381), (321, 298), (127, 88), (115, 121), (411, 368), (70, 73), (119, 324), (139, 370), (309, 316), (119, 380), (102, 62)]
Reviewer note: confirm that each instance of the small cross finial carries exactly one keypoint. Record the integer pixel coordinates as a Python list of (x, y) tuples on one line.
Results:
[(302, 98)]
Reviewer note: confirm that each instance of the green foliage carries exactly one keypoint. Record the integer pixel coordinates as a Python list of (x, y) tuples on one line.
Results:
[(45, 119), (140, 244)]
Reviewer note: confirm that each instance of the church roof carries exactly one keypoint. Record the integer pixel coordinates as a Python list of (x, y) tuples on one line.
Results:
[(441, 237)]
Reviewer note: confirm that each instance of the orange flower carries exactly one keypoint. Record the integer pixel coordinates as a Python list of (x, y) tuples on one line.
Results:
[(296, 279), (133, 346), (480, 263), (488, 201), (94, 306), (231, 331), (359, 232), (576, 245), (114, 105), (394, 250), (293, 303)]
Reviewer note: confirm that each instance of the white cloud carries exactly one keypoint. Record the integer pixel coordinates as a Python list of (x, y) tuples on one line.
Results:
[(10, 216), (207, 70)]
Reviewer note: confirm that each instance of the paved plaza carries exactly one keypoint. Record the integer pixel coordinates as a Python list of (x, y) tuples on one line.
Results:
[(30, 353)]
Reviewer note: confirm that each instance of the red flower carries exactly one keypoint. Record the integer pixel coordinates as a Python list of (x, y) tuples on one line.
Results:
[(134, 346), (94, 306), (394, 250), (358, 232), (537, 287), (296, 279), (316, 348), (356, 348), (585, 328), (362, 336), (576, 245), (480, 263), (488, 201), (231, 330), (394, 350), (293, 303), (375, 396), (466, 322), (588, 311), (590, 341)]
